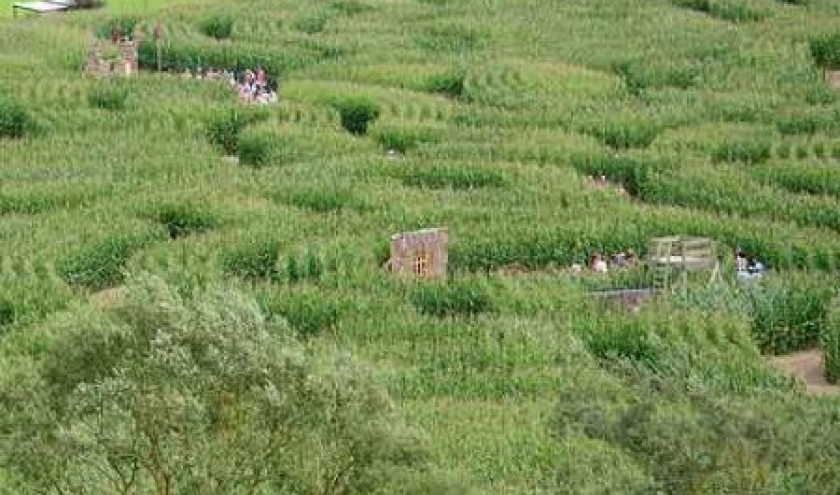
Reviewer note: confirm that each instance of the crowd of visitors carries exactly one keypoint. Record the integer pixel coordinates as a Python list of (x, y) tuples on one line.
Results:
[(748, 267), (253, 86), (600, 264)]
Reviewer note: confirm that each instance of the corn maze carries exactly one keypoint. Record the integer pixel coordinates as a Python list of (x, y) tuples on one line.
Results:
[(713, 117)]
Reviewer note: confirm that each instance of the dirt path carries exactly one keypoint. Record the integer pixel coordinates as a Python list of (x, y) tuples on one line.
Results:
[(807, 365)]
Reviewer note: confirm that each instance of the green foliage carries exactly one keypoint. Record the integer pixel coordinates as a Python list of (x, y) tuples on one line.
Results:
[(621, 136), (312, 24), (357, 113), (255, 147), (450, 84), (350, 7), (99, 265), (321, 200), (219, 27), (460, 297), (225, 126), (457, 38), (181, 219), (788, 315), (309, 313), (751, 152), (402, 138), (631, 173), (825, 50), (830, 343), (253, 259), (15, 121), (108, 96), (124, 25), (172, 392), (728, 10), (455, 177)]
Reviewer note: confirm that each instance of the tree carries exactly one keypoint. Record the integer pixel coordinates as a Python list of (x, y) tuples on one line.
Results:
[(169, 393)]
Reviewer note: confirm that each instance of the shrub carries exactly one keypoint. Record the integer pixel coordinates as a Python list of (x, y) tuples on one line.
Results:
[(441, 176), (626, 135), (308, 313), (219, 27), (825, 50), (298, 268), (461, 297), (830, 343), (788, 315), (15, 121), (212, 381), (450, 84), (402, 139), (108, 96), (124, 25), (184, 219), (320, 200), (357, 113), (311, 25), (350, 7), (224, 127), (255, 147), (456, 38), (8, 312), (256, 259), (756, 151), (99, 265)]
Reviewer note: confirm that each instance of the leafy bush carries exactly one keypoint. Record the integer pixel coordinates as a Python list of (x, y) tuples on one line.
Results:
[(212, 381), (255, 259), (825, 50), (756, 151), (184, 219), (456, 38), (459, 297), (402, 139), (308, 313), (108, 96), (224, 127), (255, 147), (99, 265), (728, 10), (350, 7), (830, 343), (320, 200), (450, 84), (219, 27), (357, 113), (306, 266), (124, 25), (15, 121), (441, 176), (627, 135), (788, 315), (631, 173), (311, 25)]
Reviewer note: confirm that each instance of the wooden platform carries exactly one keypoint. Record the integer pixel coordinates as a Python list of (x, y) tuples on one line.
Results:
[(42, 7)]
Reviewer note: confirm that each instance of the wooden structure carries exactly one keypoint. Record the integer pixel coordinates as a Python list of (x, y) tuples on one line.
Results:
[(422, 253), (51, 6), (674, 256), (42, 7), (125, 63)]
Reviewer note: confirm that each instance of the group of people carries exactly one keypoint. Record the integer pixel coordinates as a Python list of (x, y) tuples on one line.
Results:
[(253, 86), (748, 267), (600, 264)]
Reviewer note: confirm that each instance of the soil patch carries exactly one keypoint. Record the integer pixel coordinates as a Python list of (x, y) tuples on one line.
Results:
[(810, 368)]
